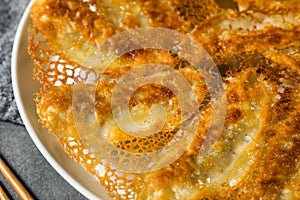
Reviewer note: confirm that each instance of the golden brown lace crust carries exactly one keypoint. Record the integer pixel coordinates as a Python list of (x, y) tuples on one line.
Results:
[(257, 51)]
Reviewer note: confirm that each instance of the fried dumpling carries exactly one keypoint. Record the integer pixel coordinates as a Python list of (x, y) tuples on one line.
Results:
[(257, 52)]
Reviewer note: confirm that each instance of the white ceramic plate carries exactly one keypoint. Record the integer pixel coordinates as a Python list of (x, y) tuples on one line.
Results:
[(24, 88)]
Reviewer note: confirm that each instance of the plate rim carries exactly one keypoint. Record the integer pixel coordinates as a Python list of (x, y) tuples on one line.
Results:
[(20, 105)]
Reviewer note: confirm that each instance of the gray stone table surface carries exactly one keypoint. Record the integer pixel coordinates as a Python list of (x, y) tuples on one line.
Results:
[(16, 146), (41, 180)]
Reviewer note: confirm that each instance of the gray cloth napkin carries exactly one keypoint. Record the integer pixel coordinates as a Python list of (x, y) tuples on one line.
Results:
[(11, 12)]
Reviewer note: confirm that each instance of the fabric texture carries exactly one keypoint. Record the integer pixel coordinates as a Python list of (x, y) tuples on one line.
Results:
[(11, 12)]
